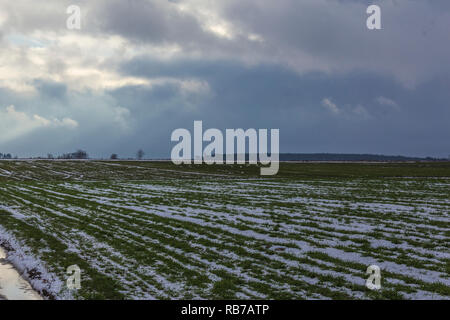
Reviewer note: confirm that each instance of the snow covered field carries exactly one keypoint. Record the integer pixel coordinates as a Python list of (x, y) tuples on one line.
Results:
[(150, 230)]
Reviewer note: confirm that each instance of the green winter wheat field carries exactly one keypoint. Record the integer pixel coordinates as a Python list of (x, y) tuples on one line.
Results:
[(153, 230)]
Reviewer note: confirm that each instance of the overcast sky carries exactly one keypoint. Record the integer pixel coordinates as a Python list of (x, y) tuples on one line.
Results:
[(138, 69)]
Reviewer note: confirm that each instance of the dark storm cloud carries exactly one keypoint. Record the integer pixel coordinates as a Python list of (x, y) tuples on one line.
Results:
[(319, 35), (147, 21), (377, 114), (264, 97), (413, 43), (49, 89)]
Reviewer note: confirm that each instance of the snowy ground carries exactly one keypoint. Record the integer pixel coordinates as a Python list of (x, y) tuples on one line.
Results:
[(153, 231)]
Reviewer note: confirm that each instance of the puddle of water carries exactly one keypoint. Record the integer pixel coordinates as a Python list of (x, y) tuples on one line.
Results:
[(12, 285)]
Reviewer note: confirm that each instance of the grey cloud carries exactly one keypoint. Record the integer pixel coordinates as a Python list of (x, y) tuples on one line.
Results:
[(267, 97), (148, 21), (412, 45), (53, 90), (308, 35), (311, 50)]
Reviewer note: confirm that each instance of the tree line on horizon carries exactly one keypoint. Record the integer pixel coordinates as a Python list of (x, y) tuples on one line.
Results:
[(77, 155), (81, 154), (7, 156)]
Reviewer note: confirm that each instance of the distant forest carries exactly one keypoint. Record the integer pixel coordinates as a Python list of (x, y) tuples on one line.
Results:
[(348, 157)]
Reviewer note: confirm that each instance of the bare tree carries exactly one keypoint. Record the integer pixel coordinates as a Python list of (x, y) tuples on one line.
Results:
[(140, 154), (80, 154)]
